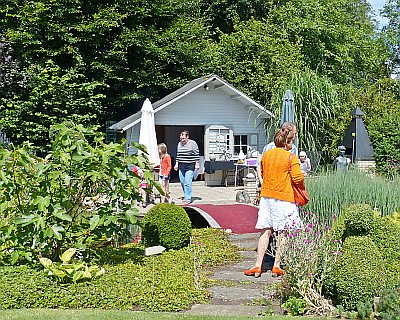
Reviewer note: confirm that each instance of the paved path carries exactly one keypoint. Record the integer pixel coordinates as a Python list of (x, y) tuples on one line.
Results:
[(241, 295), (202, 194)]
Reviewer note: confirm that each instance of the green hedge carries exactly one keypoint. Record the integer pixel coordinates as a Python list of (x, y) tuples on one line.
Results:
[(167, 225), (358, 274)]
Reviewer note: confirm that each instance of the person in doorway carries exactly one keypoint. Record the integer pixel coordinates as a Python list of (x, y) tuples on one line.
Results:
[(290, 126), (187, 161), (165, 169), (305, 164), (278, 212)]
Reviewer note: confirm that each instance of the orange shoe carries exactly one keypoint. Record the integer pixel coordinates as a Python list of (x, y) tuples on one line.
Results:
[(256, 272), (276, 271)]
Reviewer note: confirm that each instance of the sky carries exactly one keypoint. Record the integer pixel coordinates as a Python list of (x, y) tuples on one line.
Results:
[(377, 5)]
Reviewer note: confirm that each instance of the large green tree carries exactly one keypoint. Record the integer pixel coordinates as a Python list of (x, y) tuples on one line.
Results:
[(391, 34), (337, 37), (92, 61)]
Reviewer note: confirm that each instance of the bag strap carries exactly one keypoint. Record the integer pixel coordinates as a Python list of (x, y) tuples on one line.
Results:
[(290, 164)]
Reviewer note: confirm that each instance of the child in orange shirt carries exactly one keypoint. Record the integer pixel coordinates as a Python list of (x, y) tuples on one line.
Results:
[(165, 169)]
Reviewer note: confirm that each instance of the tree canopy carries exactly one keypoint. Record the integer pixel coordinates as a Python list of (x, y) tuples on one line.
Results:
[(93, 61)]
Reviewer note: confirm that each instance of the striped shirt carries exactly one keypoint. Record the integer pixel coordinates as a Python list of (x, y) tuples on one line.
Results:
[(188, 153)]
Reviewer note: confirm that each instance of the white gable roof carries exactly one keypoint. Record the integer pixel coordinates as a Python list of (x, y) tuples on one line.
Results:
[(213, 82)]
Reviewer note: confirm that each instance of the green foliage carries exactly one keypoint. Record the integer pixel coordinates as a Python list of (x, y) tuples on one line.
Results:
[(167, 225), (358, 274), (391, 32), (127, 282), (81, 58), (70, 271), (362, 220), (253, 56), (316, 103), (365, 310), (389, 304), (331, 192), (336, 37), (295, 306), (359, 219), (395, 218), (44, 202)]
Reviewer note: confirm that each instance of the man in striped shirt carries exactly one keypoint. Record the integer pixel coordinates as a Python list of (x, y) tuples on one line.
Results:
[(187, 161)]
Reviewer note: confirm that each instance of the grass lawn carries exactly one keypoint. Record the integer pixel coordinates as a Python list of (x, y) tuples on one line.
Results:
[(95, 314)]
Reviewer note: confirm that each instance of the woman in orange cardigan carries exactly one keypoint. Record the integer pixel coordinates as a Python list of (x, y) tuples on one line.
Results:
[(277, 212)]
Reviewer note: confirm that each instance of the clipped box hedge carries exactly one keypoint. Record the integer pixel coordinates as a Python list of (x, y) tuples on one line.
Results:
[(167, 225)]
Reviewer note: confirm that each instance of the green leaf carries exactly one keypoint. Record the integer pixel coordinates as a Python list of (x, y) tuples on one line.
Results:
[(45, 262), (60, 214), (131, 216), (25, 220), (100, 272), (67, 255), (94, 222), (77, 276), (42, 202), (57, 231)]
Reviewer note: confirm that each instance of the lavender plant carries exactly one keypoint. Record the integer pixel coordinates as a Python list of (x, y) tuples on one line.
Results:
[(309, 254)]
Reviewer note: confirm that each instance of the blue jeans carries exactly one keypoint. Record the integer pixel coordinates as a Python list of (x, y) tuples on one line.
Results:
[(186, 177)]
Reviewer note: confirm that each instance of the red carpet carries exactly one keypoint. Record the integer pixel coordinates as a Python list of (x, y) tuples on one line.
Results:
[(240, 218)]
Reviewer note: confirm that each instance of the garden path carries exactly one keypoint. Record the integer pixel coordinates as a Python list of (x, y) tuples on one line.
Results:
[(238, 294)]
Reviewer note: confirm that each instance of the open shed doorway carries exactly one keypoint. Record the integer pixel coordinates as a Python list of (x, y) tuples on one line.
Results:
[(170, 136)]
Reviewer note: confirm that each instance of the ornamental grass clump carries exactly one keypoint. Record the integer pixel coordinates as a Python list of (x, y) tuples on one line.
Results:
[(331, 192), (309, 254)]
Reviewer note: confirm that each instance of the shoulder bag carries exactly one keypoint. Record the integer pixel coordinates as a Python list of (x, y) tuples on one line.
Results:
[(301, 196)]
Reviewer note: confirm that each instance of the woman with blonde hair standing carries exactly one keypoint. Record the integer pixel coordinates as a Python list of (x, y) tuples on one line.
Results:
[(278, 212)]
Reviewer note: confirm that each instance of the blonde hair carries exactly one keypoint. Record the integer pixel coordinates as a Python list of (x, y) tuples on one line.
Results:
[(162, 149)]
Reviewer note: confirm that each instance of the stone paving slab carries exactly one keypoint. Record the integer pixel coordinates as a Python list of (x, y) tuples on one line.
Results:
[(225, 310), (236, 295)]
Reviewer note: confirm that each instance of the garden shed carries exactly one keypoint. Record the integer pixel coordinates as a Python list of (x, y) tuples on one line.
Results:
[(219, 117)]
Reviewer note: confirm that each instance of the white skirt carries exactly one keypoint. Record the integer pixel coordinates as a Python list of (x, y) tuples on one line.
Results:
[(279, 215)]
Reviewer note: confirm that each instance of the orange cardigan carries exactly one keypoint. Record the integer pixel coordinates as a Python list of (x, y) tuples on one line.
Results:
[(276, 177), (165, 165)]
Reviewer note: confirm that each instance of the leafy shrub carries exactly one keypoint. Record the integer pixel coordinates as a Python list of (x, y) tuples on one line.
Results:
[(395, 218), (127, 282), (358, 274), (167, 225), (355, 220), (359, 219), (295, 306), (309, 254), (389, 304), (70, 271), (44, 201)]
